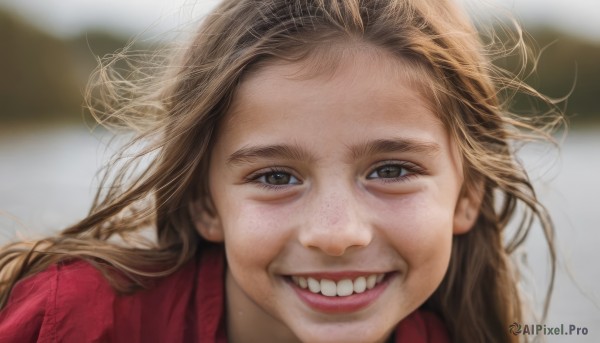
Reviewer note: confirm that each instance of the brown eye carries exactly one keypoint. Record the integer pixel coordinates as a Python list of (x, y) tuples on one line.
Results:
[(277, 178), (388, 171)]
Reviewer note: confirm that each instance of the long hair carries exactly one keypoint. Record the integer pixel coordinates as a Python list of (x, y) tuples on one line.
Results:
[(176, 114)]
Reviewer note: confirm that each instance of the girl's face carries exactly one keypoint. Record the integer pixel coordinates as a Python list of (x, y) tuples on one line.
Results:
[(337, 201)]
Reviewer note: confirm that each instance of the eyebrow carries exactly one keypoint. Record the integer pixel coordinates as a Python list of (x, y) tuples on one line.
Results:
[(379, 146), (250, 154), (279, 151)]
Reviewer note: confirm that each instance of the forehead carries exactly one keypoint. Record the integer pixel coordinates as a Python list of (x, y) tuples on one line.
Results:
[(346, 78)]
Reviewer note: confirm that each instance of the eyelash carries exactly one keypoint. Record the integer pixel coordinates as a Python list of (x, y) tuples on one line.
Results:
[(254, 178), (412, 169)]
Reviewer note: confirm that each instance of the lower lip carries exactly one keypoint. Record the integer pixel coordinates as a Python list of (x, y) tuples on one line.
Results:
[(347, 304)]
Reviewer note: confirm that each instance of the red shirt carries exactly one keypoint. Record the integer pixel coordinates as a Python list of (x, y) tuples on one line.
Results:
[(72, 302)]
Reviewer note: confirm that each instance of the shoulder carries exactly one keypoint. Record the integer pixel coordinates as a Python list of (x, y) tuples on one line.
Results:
[(74, 302), (28, 308), (83, 297), (41, 305), (87, 308), (424, 327)]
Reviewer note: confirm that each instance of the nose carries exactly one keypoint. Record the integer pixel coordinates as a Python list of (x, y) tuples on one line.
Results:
[(334, 225)]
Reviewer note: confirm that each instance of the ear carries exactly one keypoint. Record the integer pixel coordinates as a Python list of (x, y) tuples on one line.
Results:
[(467, 208), (208, 225)]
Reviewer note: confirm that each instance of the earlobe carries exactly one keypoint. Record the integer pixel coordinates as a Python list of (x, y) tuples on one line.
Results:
[(208, 226), (467, 210)]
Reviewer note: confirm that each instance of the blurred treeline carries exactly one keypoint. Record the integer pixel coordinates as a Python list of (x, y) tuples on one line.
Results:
[(565, 68), (42, 78)]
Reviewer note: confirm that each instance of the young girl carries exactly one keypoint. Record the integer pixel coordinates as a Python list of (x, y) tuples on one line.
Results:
[(322, 171)]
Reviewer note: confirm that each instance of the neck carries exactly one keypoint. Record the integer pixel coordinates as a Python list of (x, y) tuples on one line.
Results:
[(247, 322)]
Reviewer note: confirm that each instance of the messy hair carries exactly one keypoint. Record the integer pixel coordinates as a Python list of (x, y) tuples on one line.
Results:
[(175, 113)]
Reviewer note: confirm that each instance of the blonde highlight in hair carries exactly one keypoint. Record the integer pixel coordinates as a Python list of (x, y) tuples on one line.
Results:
[(176, 113)]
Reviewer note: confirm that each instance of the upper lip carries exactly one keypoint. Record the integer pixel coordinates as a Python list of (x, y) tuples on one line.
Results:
[(337, 276)]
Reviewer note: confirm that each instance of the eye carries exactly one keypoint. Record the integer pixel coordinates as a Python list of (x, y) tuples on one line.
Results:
[(275, 178), (278, 178), (394, 171), (389, 171)]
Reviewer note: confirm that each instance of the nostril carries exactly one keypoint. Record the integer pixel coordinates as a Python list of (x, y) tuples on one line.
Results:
[(335, 227), (335, 246)]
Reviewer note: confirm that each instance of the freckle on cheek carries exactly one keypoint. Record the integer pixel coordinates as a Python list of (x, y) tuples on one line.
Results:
[(258, 227)]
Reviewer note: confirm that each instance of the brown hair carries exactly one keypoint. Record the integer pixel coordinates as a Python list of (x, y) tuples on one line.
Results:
[(176, 113)]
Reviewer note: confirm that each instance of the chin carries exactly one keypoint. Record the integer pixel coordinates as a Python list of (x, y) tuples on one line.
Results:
[(344, 332)]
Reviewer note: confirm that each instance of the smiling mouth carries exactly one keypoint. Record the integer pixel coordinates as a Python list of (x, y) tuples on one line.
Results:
[(341, 288)]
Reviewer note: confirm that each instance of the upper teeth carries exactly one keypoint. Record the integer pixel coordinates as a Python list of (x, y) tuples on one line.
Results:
[(341, 288)]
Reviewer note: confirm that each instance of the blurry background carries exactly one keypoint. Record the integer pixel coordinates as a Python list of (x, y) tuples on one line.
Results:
[(49, 157)]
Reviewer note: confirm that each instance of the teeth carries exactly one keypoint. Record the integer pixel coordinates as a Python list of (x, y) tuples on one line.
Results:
[(328, 288), (360, 284), (302, 282), (344, 287), (314, 285), (341, 288), (371, 280)]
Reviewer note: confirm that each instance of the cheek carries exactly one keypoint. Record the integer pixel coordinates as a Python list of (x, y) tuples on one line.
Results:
[(420, 229), (255, 234)]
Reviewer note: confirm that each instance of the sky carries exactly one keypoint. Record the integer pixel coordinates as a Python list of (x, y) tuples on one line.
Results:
[(154, 17)]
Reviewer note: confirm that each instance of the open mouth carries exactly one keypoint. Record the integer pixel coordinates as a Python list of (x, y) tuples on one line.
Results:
[(340, 288), (336, 293)]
